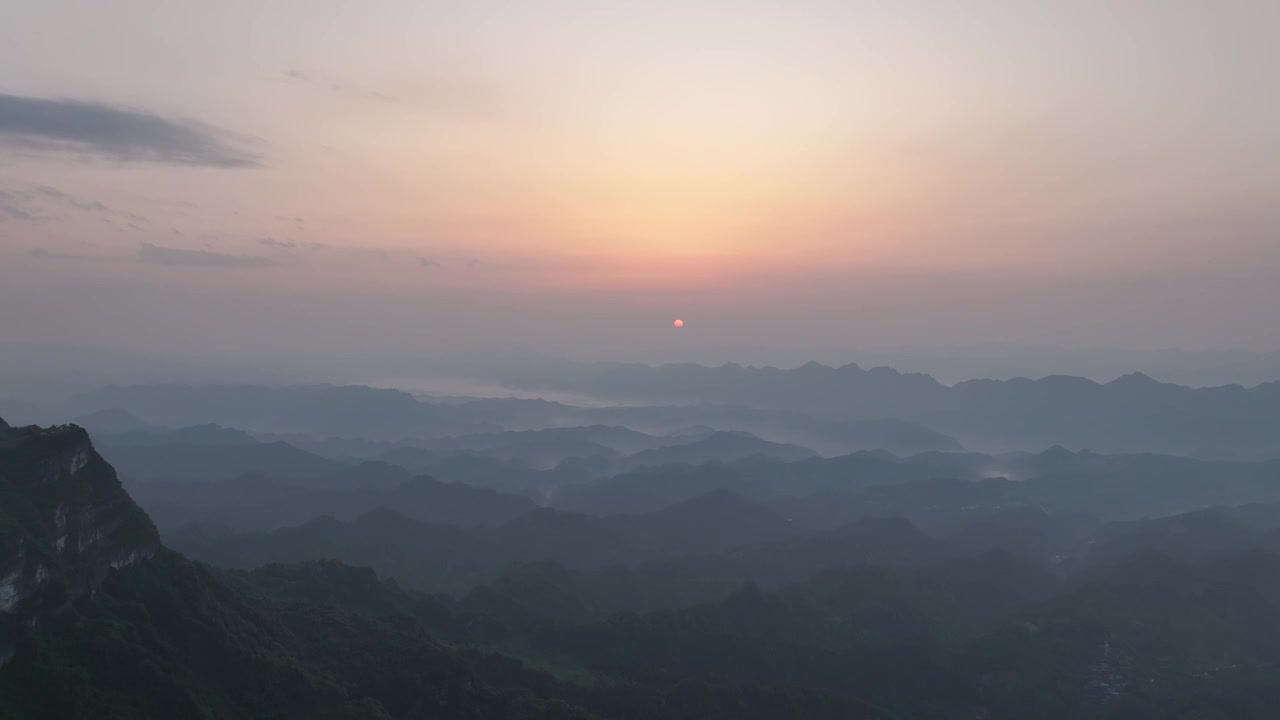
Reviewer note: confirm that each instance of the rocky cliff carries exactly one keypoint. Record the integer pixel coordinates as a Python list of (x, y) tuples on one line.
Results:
[(65, 523)]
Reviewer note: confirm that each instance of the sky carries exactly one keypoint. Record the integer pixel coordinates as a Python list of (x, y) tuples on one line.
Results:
[(267, 183)]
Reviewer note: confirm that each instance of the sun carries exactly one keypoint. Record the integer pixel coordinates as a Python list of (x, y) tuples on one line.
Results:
[(678, 323)]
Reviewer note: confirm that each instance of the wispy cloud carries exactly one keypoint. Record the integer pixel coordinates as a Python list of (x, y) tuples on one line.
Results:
[(467, 97), (278, 244), (12, 207), (198, 258), (84, 128), (46, 253), (329, 85), (40, 203), (57, 195), (62, 255)]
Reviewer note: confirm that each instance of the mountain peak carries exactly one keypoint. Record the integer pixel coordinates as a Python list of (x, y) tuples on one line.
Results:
[(1057, 451), (1135, 379), (66, 519)]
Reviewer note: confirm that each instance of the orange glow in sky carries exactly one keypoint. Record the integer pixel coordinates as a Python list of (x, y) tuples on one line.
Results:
[(788, 156)]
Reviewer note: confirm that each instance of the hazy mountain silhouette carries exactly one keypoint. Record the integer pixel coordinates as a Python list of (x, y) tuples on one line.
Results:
[(1160, 617), (1130, 414), (207, 462), (340, 415), (719, 447), (1109, 486)]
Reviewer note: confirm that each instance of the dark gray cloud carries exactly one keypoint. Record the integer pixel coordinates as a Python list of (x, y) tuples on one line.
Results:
[(427, 262), (94, 129), (198, 258)]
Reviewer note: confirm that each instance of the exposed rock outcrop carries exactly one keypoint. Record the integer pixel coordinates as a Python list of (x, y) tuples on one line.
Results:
[(65, 523)]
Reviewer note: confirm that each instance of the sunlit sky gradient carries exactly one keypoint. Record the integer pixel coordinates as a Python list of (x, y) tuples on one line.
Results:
[(411, 177)]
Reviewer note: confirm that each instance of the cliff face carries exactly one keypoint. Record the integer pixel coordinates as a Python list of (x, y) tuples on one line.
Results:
[(65, 522)]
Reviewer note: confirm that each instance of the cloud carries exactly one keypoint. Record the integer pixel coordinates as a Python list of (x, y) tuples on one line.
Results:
[(427, 262), (44, 253), (15, 213), (277, 244), (40, 203), (472, 98), (93, 129), (56, 194), (11, 208), (328, 85), (61, 255), (198, 258)]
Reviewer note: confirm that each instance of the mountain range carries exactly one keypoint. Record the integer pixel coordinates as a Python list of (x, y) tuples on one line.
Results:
[(832, 410), (719, 607), (1133, 413)]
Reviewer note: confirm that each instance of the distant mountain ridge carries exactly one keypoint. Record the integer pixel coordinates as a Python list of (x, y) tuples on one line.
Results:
[(364, 422), (1109, 486), (834, 410), (1129, 414), (720, 447)]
